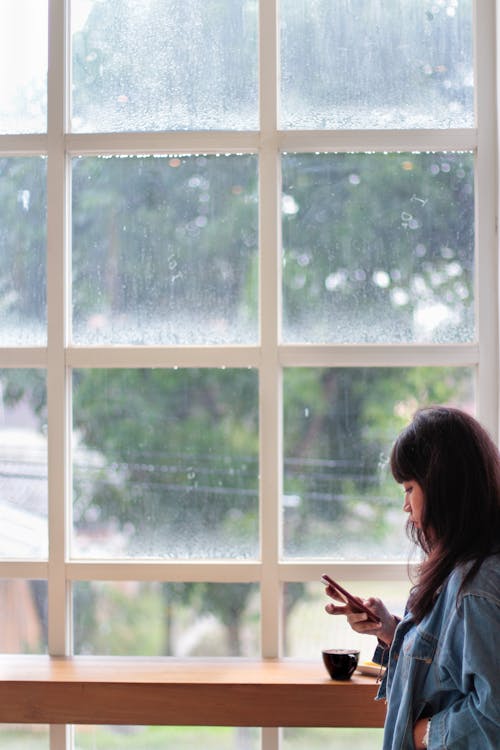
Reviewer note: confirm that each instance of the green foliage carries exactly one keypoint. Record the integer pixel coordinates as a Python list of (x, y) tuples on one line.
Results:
[(339, 426), (189, 224), (180, 450), (130, 611), (23, 208), (30, 385), (370, 238)]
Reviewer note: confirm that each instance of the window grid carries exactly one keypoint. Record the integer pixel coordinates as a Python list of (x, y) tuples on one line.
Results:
[(270, 356)]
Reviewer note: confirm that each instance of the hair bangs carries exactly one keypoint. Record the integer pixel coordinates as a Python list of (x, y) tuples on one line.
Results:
[(403, 457)]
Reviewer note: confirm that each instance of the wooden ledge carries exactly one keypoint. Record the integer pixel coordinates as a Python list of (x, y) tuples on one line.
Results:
[(219, 692)]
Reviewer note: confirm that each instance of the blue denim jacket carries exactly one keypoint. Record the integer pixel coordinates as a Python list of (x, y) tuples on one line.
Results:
[(448, 667)]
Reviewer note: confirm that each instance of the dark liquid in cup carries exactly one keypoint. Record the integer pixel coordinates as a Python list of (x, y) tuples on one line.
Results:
[(340, 662)]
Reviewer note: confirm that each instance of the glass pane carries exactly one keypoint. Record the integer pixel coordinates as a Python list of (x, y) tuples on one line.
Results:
[(334, 739), (378, 248), (165, 250), (23, 629), (166, 619), (308, 628), (392, 64), (23, 247), (163, 738), (340, 500), (23, 66), (164, 65), (24, 737), (23, 464), (165, 463)]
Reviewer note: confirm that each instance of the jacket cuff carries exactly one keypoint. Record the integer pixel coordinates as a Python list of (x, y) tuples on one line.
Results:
[(381, 655)]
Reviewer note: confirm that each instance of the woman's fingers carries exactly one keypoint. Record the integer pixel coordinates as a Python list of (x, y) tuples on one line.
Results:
[(334, 609), (354, 618), (357, 620), (361, 624), (333, 594)]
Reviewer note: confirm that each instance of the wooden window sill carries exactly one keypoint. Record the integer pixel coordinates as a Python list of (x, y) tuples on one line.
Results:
[(218, 692)]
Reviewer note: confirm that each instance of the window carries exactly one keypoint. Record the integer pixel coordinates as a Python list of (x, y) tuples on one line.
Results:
[(240, 242)]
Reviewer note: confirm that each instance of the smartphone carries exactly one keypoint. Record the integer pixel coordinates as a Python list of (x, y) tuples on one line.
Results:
[(348, 598)]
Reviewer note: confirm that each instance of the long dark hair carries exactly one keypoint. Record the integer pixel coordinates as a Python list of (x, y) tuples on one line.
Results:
[(457, 465)]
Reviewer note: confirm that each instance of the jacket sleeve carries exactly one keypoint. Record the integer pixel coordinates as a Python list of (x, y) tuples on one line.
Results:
[(470, 661), (381, 653)]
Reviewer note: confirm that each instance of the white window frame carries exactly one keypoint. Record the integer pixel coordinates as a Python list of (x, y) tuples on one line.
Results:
[(270, 356)]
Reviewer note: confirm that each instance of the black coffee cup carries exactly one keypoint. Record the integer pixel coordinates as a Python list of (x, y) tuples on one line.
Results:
[(340, 662)]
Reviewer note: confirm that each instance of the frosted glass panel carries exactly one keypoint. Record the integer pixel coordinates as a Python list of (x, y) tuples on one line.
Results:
[(376, 64), (185, 620), (23, 464), (23, 247), (23, 66), (165, 463), (164, 65), (165, 250), (378, 248), (340, 500)]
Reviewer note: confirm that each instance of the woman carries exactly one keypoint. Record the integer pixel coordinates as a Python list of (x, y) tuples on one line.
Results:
[(442, 682)]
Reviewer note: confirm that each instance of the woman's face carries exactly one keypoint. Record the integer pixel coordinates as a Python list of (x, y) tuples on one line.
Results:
[(414, 501)]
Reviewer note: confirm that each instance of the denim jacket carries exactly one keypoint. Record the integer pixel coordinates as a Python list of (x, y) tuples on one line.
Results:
[(448, 668)]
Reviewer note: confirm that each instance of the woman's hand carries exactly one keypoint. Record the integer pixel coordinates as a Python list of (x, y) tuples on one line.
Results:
[(359, 621)]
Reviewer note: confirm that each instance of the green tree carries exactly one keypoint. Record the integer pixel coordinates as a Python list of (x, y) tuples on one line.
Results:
[(23, 208), (371, 239), (189, 223), (340, 424), (180, 458)]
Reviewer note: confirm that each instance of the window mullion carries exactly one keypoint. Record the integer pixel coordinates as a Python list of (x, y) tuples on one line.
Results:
[(162, 142), (23, 145), (486, 293), (270, 375), (379, 355), (372, 570), (334, 141), (58, 434), (271, 737)]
